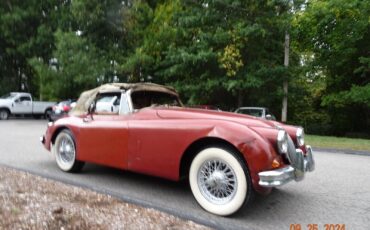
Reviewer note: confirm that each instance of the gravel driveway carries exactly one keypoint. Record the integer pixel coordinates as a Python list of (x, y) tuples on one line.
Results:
[(32, 202)]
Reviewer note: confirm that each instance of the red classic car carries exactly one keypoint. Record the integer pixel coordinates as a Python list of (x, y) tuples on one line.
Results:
[(144, 128)]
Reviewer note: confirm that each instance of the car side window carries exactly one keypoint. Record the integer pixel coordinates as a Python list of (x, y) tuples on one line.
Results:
[(107, 103), (25, 98)]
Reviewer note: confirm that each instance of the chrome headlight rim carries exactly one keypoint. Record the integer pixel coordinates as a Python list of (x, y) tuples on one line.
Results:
[(282, 142), (300, 136)]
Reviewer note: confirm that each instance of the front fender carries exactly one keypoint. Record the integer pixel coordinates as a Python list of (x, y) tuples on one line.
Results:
[(54, 128), (257, 151)]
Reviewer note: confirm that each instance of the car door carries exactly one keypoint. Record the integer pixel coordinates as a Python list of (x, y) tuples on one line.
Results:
[(103, 136), (22, 105)]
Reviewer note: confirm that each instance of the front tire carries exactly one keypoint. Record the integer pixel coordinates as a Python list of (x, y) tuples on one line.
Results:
[(220, 181), (64, 149), (4, 114)]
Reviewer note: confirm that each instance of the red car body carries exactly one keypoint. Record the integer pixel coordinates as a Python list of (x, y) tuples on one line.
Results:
[(162, 140)]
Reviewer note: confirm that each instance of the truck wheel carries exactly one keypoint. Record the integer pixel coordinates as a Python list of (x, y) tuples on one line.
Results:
[(220, 181), (4, 114), (48, 114), (64, 149)]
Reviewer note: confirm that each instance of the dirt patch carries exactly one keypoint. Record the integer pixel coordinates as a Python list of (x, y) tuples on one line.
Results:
[(31, 202)]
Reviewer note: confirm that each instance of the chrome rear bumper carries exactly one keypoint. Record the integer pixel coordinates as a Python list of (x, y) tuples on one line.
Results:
[(42, 139), (282, 176)]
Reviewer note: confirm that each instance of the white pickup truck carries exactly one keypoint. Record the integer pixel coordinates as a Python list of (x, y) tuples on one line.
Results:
[(22, 104)]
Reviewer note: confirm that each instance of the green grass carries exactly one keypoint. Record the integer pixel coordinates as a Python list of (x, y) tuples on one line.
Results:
[(338, 142)]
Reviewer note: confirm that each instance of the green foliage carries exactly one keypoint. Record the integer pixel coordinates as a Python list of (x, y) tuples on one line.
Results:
[(27, 29), (45, 76), (77, 66), (337, 34), (221, 47), (227, 53)]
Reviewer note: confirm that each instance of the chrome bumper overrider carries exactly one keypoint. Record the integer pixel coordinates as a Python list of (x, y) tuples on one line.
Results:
[(282, 176), (42, 139)]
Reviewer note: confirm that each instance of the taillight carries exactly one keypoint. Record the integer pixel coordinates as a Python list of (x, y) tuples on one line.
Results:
[(66, 108)]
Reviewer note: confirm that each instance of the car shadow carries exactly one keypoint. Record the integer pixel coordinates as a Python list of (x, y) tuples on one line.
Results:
[(278, 200), (137, 180), (176, 197)]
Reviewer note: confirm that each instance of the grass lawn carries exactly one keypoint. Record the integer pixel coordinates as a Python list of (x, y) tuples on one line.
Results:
[(338, 142)]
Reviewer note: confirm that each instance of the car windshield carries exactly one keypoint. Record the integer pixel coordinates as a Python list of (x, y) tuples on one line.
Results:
[(252, 112), (141, 99), (8, 96)]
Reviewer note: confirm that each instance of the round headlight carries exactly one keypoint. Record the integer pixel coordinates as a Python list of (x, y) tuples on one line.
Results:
[(282, 141), (300, 136)]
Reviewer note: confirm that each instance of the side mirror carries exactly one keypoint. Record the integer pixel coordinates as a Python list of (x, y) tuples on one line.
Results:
[(270, 117)]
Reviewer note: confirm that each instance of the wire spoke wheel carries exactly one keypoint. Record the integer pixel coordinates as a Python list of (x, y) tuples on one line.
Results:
[(65, 152), (217, 181), (220, 181)]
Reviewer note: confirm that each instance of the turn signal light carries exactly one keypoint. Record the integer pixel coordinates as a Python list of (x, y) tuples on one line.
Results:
[(275, 164)]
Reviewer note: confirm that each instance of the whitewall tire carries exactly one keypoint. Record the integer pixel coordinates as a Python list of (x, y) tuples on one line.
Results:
[(220, 181), (64, 149)]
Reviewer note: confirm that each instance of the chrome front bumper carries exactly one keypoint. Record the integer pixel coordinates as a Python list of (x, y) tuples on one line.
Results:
[(282, 176)]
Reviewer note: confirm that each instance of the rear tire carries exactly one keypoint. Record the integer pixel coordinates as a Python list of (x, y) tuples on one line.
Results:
[(220, 181), (64, 149), (4, 114)]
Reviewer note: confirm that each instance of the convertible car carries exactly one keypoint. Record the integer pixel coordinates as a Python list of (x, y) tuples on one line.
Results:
[(144, 128)]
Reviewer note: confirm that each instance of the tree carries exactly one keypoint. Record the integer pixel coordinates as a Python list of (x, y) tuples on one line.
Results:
[(336, 34), (27, 31), (77, 65), (102, 23), (214, 51)]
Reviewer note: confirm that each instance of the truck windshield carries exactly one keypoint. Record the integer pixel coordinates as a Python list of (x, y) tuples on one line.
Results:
[(8, 96)]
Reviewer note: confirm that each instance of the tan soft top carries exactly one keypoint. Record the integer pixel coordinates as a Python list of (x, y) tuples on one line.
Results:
[(88, 97)]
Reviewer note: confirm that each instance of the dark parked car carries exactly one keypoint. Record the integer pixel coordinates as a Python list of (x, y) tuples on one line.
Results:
[(61, 109)]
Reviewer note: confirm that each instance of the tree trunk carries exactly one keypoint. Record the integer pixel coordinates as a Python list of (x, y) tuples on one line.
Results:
[(284, 111)]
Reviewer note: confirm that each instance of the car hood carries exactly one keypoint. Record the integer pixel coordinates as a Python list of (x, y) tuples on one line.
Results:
[(4, 101), (191, 113)]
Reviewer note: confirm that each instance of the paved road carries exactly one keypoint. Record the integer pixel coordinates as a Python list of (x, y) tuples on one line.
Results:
[(338, 192)]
